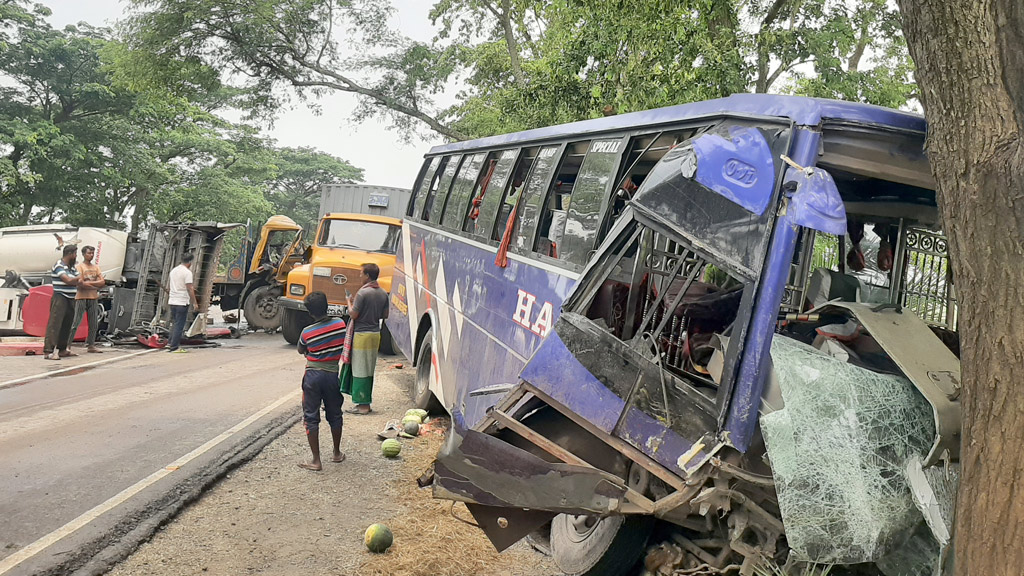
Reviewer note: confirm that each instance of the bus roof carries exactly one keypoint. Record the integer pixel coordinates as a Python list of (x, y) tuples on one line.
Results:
[(802, 110)]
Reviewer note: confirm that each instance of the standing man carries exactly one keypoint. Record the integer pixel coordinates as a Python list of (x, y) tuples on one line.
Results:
[(90, 280), (359, 358), (182, 295), (62, 306), (321, 342)]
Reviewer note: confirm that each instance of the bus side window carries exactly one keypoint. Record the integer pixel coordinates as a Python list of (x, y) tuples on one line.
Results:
[(554, 208), (483, 204), (419, 193), (644, 153), (455, 207), (589, 198), (426, 200), (514, 189), (536, 194), (439, 193)]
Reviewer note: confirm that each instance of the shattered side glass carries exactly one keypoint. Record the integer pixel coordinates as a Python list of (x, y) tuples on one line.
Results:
[(839, 451)]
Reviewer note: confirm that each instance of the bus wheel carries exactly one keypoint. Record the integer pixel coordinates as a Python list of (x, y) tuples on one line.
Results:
[(592, 546), (387, 343), (292, 324), (262, 312), (423, 397)]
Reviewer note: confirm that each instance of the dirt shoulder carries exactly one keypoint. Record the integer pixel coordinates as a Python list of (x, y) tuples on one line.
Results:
[(271, 517)]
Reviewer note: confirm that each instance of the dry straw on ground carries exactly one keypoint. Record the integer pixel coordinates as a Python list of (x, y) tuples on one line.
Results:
[(429, 540)]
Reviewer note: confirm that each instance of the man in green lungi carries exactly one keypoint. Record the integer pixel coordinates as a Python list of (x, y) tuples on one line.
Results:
[(359, 357)]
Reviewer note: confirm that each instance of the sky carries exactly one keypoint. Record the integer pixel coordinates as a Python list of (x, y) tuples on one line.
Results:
[(368, 145)]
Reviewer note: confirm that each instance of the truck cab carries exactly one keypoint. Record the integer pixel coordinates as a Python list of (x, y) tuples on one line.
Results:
[(343, 243)]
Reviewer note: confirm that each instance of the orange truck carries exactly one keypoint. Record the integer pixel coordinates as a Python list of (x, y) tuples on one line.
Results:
[(343, 243)]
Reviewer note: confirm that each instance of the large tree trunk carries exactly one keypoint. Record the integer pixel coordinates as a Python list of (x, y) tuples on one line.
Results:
[(971, 72)]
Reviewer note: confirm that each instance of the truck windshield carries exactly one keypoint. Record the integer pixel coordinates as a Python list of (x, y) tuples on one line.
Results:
[(368, 236)]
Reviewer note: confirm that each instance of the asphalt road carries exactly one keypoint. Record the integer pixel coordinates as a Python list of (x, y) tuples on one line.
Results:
[(92, 460)]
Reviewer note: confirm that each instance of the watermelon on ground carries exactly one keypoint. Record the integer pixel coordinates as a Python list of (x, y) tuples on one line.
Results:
[(378, 538), (390, 448)]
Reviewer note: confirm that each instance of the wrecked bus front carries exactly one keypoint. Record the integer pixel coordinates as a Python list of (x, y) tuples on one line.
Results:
[(704, 328)]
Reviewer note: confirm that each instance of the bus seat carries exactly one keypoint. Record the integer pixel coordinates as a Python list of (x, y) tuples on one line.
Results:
[(825, 285)]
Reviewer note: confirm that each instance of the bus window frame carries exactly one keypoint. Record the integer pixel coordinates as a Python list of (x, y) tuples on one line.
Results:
[(605, 196), (461, 192), (429, 165), (489, 214), (444, 190), (525, 239)]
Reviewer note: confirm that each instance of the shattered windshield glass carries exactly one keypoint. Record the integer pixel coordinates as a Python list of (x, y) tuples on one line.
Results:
[(725, 202)]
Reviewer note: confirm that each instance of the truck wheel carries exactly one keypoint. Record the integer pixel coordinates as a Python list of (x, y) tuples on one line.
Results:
[(387, 343), (592, 546), (292, 323), (422, 396), (262, 312)]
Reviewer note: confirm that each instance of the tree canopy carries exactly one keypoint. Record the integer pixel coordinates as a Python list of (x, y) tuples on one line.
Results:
[(83, 141), (527, 63)]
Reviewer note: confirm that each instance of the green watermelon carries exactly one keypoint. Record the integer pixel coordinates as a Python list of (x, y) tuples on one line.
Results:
[(390, 448), (411, 428), (411, 418), (378, 538), (419, 412)]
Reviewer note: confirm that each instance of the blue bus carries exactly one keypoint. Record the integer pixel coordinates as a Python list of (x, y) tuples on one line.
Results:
[(666, 319)]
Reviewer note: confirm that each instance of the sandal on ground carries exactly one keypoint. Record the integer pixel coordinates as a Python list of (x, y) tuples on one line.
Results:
[(358, 411), (389, 431)]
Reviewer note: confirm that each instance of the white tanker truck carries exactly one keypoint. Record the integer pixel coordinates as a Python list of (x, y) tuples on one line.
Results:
[(28, 253), (135, 300)]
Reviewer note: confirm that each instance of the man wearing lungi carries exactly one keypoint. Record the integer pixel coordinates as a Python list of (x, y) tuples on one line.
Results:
[(359, 357)]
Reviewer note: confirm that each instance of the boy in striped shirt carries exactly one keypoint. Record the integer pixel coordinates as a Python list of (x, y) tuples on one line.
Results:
[(321, 342)]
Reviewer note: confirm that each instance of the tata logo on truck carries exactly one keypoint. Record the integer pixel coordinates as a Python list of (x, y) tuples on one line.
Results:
[(540, 325)]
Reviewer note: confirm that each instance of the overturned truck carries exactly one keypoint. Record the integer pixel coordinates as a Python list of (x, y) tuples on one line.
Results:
[(761, 358)]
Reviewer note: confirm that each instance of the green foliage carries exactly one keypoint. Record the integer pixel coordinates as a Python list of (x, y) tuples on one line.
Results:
[(583, 58), (294, 190), (528, 63), (86, 139)]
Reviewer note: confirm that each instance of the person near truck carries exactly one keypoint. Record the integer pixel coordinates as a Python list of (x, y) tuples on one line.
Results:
[(182, 295), (90, 280), (359, 357), (321, 343), (62, 306)]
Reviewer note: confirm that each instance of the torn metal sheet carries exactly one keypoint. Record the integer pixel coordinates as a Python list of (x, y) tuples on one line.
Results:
[(926, 361), (477, 468), (934, 491), (506, 526)]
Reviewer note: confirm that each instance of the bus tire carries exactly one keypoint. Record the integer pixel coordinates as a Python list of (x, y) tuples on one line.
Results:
[(292, 324), (387, 343), (423, 398), (592, 546)]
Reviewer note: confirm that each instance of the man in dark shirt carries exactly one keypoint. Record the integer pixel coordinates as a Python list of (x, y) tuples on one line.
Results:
[(62, 306), (321, 342), (359, 359)]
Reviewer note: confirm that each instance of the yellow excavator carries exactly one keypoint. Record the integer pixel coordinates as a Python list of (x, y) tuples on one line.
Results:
[(255, 280)]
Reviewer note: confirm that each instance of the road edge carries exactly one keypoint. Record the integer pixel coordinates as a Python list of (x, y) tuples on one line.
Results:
[(102, 553)]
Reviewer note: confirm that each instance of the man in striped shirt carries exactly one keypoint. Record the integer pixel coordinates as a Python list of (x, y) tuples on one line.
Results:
[(62, 306), (321, 343)]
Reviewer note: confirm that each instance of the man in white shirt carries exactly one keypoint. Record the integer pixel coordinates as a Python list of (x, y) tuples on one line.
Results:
[(182, 295)]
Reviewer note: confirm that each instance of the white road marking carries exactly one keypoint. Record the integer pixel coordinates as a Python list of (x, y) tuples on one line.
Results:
[(39, 545), (76, 367)]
